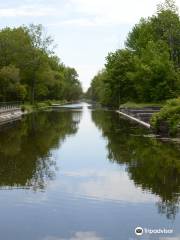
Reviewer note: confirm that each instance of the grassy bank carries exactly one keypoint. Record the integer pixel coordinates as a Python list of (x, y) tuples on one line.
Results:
[(141, 105), (40, 105)]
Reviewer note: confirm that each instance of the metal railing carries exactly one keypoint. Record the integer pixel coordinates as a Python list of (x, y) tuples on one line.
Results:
[(5, 106)]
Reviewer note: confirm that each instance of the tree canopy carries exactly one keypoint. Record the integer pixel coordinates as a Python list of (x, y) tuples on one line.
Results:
[(148, 68), (30, 70)]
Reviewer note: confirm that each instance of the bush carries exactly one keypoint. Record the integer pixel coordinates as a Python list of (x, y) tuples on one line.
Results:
[(40, 105), (26, 108), (169, 116)]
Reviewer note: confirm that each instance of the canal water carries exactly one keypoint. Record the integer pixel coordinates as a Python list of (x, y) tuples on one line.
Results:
[(86, 175)]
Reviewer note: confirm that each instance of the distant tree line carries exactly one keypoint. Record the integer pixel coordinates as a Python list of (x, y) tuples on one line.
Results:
[(30, 70), (148, 68)]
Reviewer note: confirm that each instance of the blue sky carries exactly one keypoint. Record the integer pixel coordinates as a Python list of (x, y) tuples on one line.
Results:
[(84, 30)]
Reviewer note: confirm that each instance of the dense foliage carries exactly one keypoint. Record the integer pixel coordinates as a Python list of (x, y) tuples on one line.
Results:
[(148, 69), (168, 119), (29, 69)]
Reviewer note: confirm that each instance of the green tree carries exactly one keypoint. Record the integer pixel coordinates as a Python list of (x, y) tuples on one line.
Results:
[(148, 69), (42, 75), (10, 87)]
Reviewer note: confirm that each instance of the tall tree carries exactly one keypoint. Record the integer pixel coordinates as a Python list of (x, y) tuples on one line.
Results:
[(148, 69)]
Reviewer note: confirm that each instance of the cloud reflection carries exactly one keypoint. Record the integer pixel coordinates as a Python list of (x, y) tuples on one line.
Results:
[(102, 185), (78, 236), (171, 238)]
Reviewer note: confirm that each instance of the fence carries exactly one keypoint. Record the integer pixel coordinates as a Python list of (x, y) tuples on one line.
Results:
[(5, 106)]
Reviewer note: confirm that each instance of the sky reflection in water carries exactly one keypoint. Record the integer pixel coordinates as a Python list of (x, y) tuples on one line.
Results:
[(85, 175)]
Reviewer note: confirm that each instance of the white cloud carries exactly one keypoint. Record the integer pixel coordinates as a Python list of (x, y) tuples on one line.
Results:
[(81, 22), (32, 11), (115, 11), (108, 12), (88, 13)]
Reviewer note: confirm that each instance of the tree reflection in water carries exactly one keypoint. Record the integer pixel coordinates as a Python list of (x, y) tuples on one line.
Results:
[(151, 164), (25, 149)]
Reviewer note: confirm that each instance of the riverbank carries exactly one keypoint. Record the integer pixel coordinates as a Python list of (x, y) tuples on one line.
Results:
[(14, 113), (162, 119), (139, 112), (168, 119), (147, 125), (41, 105), (142, 105)]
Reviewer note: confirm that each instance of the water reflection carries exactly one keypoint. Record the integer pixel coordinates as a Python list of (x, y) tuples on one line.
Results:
[(90, 197), (78, 236), (152, 165), (26, 159), (104, 186)]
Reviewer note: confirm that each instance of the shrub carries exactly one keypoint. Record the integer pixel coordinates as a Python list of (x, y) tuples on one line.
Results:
[(169, 115)]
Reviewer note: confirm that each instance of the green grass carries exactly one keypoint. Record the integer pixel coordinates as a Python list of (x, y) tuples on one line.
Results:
[(141, 105), (40, 105), (26, 107)]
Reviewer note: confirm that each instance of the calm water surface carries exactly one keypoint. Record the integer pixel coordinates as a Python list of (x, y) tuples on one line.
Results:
[(86, 175)]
